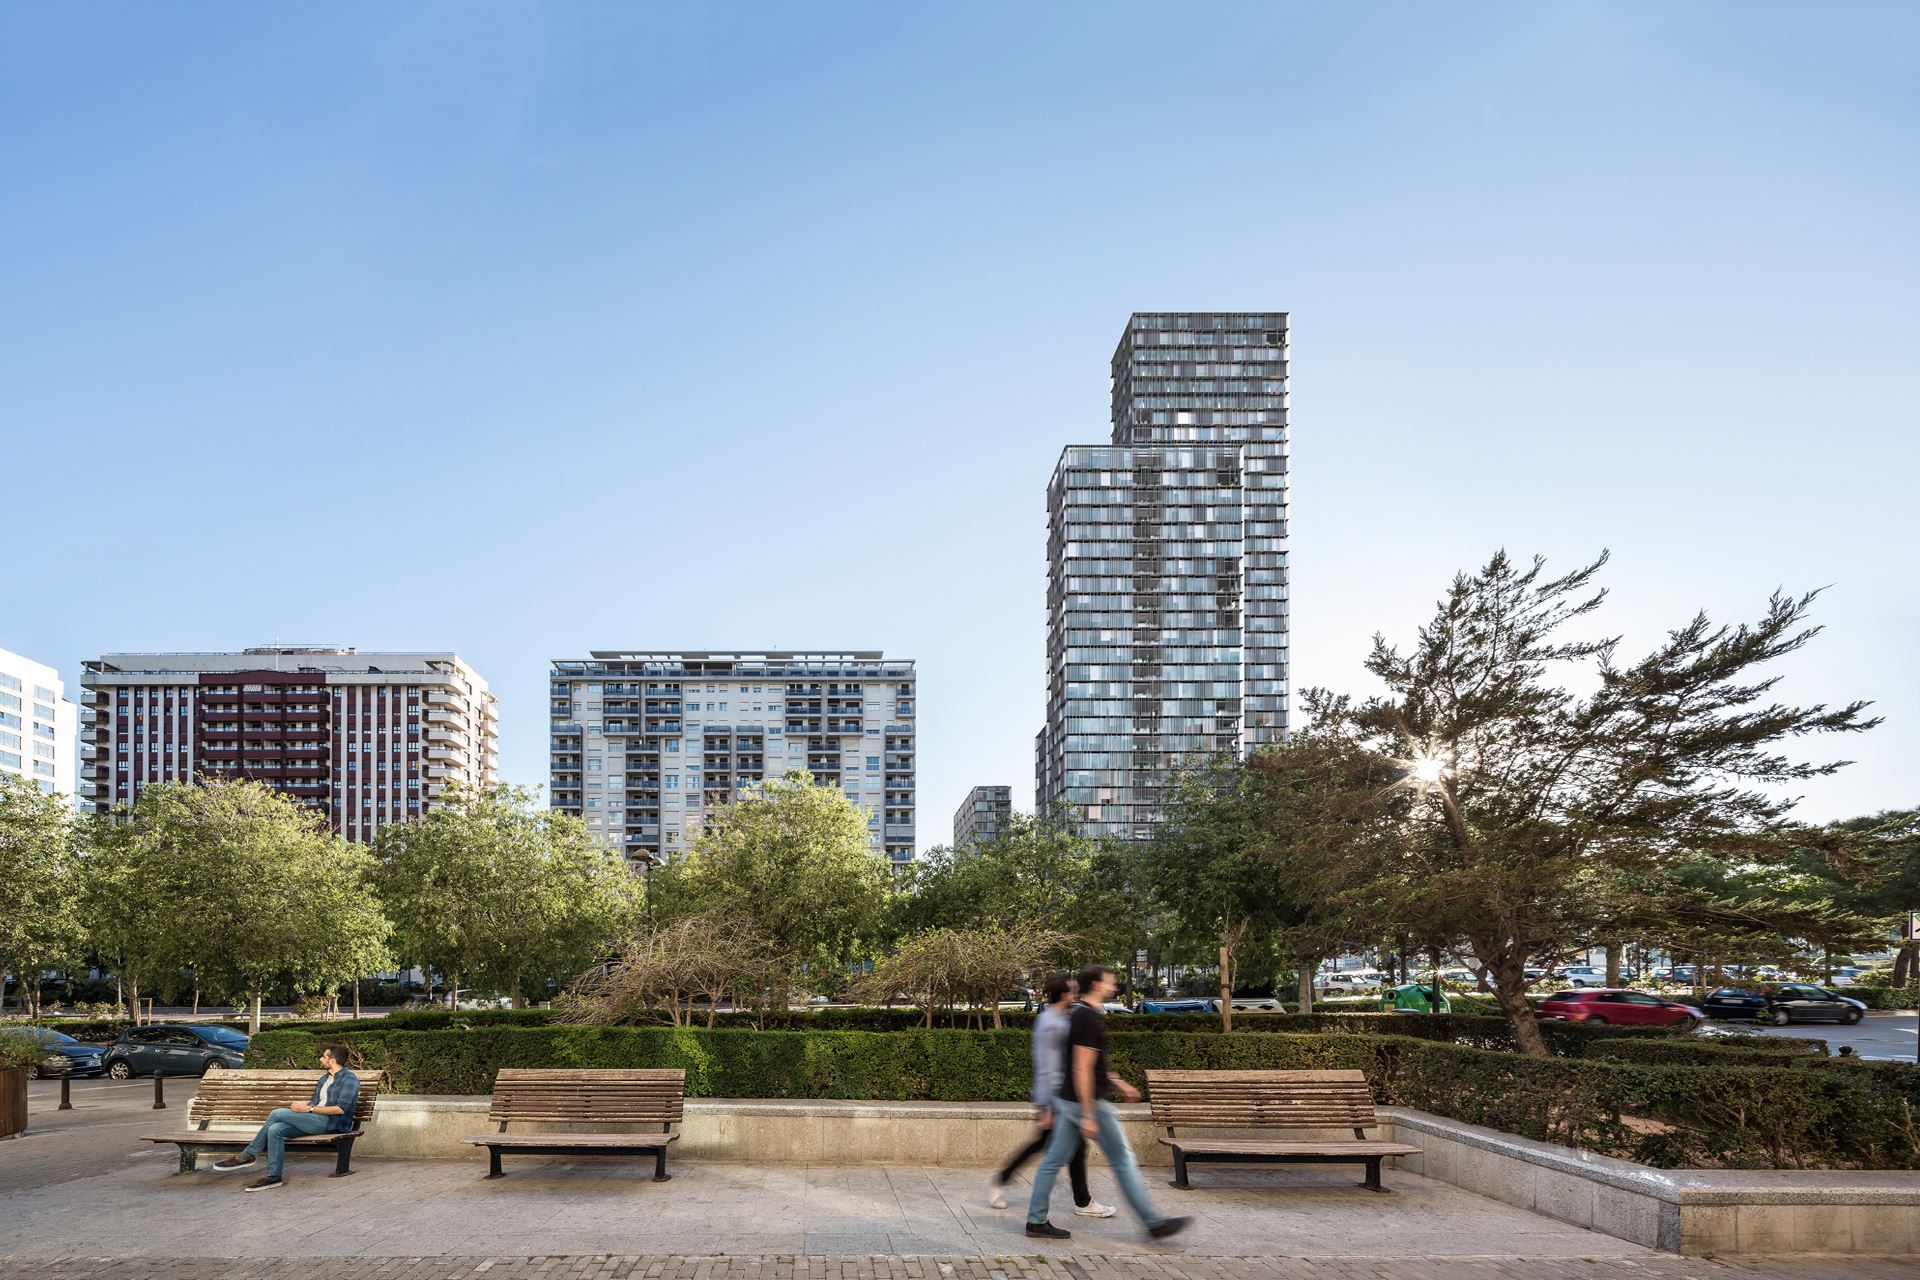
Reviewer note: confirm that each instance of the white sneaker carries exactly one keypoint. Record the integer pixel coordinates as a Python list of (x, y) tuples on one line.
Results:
[(996, 1195), (1094, 1210)]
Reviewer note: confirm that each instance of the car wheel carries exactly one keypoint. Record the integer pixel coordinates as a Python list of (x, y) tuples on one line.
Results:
[(1686, 1022), (120, 1069), (1594, 1019), (1781, 1018), (1853, 1016), (33, 1072), (213, 1064)]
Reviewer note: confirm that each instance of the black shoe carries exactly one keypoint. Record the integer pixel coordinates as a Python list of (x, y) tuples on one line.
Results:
[(1047, 1231), (1168, 1227), (232, 1163), (268, 1184)]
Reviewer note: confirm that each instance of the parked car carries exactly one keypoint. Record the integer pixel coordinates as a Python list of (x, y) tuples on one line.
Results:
[(1582, 975), (1625, 1008), (1460, 977), (1180, 1006), (1257, 1004), (1353, 982), (1784, 1002), (179, 1049), (1114, 1006), (65, 1056)]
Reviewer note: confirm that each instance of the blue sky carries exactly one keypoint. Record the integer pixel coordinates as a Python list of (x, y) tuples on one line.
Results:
[(528, 330)]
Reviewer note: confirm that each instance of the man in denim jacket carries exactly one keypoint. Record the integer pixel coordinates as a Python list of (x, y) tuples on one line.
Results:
[(329, 1111)]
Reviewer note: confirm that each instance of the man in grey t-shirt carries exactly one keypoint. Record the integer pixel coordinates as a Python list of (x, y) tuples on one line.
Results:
[(1049, 1070)]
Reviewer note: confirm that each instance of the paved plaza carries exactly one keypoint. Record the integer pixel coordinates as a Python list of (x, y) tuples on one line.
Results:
[(81, 1197)]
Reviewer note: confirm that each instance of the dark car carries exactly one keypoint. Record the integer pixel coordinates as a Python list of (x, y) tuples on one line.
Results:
[(65, 1056), (180, 1049), (1624, 1008), (1784, 1002)]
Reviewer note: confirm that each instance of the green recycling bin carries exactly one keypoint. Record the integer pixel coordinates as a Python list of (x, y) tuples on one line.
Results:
[(1414, 997)]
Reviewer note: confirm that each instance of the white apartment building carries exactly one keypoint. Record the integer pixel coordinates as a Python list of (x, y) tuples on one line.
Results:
[(366, 739), (646, 745), (36, 724)]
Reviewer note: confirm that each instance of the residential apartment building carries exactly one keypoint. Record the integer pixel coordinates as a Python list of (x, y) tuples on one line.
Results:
[(983, 815), (36, 724), (1167, 569), (366, 739), (647, 745)]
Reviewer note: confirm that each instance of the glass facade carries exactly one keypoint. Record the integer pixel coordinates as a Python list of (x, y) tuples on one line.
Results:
[(1167, 569)]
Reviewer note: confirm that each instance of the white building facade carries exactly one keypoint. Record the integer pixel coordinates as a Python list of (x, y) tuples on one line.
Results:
[(646, 746), (37, 724)]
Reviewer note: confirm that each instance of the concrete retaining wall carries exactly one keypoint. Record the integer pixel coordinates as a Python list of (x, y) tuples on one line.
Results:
[(1684, 1211)]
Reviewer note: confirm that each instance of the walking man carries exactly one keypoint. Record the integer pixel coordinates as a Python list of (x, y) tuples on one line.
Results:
[(1083, 1111), (330, 1111), (1049, 1067)]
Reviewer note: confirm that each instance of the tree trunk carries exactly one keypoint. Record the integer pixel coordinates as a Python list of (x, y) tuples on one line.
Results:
[(1510, 989), (1613, 964), (453, 990), (1226, 988), (253, 1012), (1305, 993), (356, 999), (519, 1000), (196, 998), (133, 1002)]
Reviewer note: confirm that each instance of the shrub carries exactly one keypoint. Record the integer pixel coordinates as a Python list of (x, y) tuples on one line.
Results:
[(1708, 1053), (1907, 997)]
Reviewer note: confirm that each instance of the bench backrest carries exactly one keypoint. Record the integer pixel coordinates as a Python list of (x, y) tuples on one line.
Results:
[(238, 1097), (1260, 1099), (641, 1096)]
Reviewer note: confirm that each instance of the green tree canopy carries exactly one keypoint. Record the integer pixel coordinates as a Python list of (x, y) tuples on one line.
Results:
[(795, 859), (496, 891), (40, 889)]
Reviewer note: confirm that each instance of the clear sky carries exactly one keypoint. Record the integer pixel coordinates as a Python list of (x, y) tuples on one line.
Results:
[(525, 330)]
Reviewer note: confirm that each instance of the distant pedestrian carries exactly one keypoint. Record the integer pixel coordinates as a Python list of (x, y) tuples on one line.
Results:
[(330, 1111), (1049, 1069), (1083, 1112)]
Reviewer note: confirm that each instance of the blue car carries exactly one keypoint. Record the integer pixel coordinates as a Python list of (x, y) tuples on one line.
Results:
[(65, 1056), (1180, 1006)]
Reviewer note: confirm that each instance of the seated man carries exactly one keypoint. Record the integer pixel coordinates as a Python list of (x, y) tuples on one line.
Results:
[(330, 1111)]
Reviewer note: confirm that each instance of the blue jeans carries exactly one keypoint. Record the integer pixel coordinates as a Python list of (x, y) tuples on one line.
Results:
[(282, 1124), (1113, 1145)]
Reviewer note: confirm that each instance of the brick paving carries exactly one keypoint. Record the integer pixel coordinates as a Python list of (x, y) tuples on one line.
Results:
[(959, 1267)]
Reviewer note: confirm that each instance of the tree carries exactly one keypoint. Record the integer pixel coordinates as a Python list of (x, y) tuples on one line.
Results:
[(944, 967), (40, 925), (1875, 869), (1042, 872), (666, 968), (794, 859), (240, 884), (1520, 787), (496, 891)]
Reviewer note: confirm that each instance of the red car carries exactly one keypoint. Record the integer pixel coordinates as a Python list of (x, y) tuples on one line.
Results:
[(1623, 1008)]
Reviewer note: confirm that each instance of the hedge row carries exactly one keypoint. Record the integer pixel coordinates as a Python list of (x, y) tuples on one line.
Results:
[(1727, 1114), (102, 1030)]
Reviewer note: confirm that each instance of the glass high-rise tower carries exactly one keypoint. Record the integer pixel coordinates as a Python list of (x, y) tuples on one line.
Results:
[(1167, 569)]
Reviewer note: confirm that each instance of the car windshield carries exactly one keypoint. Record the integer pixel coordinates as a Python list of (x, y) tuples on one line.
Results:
[(1733, 991), (221, 1036), (55, 1038), (1568, 995)]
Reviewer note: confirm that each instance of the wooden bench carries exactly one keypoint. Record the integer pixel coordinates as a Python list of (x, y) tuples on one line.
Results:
[(1268, 1100), (599, 1098), (245, 1098)]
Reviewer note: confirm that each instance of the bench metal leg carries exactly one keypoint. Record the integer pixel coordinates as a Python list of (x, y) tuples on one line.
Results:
[(660, 1173), (1373, 1175), (340, 1166), (493, 1163), (188, 1156), (1180, 1170)]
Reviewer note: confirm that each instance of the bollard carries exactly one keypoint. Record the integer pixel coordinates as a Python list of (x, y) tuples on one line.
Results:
[(66, 1091), (159, 1091)]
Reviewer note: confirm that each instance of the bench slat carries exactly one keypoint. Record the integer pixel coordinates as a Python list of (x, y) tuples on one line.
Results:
[(1261, 1099), (1258, 1147)]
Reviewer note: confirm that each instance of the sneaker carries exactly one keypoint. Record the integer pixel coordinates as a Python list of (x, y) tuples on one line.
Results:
[(231, 1163), (1168, 1227), (1094, 1209), (268, 1184), (1047, 1231), (996, 1194)]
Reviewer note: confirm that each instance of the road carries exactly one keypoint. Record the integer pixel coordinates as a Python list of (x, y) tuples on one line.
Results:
[(1878, 1035)]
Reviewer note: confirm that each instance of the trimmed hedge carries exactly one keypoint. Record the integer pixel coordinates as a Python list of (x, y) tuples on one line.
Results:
[(103, 1030), (1907, 997), (1728, 1114), (1717, 1052)]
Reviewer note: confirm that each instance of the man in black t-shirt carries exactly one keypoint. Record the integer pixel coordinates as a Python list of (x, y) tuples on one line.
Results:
[(1084, 1107)]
